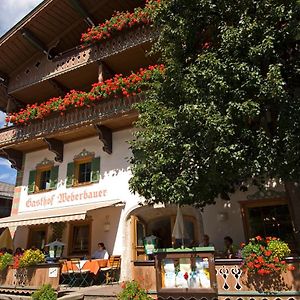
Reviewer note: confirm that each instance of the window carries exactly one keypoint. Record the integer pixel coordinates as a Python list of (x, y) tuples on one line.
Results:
[(43, 178), (80, 236), (83, 170), (37, 237), (267, 218)]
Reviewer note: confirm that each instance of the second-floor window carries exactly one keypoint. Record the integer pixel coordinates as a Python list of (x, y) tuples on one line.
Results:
[(84, 172), (43, 178), (84, 169), (44, 183)]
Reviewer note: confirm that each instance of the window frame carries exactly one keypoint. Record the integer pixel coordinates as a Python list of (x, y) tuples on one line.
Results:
[(71, 235), (39, 170), (35, 228), (246, 204), (77, 163), (38, 177)]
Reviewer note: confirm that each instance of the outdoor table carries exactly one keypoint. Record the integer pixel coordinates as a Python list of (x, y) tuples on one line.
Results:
[(93, 265)]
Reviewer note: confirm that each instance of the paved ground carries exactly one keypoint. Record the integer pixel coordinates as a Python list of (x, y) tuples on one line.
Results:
[(107, 292)]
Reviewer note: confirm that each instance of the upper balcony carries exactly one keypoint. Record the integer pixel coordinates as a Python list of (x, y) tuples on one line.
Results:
[(121, 53), (41, 56), (75, 124)]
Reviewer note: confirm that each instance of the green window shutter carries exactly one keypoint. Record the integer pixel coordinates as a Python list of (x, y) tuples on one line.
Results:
[(70, 174), (54, 178), (31, 182), (95, 174)]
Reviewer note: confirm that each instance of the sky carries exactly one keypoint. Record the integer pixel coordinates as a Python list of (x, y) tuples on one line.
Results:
[(11, 12)]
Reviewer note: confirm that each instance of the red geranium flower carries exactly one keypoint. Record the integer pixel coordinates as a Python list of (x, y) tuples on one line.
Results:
[(186, 276)]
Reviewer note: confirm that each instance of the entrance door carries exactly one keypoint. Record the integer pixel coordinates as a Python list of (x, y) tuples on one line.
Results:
[(138, 228)]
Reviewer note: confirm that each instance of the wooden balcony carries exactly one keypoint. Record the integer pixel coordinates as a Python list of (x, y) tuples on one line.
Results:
[(74, 124), (42, 69)]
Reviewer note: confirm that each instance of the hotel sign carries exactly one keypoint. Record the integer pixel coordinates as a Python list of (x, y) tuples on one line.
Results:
[(63, 198)]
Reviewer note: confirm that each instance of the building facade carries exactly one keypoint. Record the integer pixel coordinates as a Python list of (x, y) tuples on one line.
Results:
[(74, 165)]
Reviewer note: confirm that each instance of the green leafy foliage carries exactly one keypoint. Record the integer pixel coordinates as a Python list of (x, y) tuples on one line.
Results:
[(227, 108), (5, 260), (132, 290), (46, 292)]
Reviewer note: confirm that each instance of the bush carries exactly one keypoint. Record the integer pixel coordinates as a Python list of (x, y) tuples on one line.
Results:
[(5, 260), (46, 292), (31, 258), (132, 290)]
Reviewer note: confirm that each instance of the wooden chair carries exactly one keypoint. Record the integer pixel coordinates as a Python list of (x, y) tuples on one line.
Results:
[(66, 275), (112, 271), (81, 276)]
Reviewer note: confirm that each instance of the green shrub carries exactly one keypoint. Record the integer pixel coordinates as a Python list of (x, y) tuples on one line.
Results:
[(46, 292), (5, 260), (132, 290)]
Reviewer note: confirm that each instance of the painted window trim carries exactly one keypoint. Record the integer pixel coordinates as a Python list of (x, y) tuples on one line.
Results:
[(45, 165), (73, 169)]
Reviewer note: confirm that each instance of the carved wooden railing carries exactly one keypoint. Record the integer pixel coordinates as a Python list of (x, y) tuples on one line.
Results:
[(43, 69), (235, 284), (74, 118)]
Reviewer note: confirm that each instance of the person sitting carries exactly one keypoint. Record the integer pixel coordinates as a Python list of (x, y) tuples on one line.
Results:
[(101, 252), (231, 250), (205, 242), (18, 251)]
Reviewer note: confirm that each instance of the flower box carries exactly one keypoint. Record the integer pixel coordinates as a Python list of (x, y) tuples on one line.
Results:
[(30, 278)]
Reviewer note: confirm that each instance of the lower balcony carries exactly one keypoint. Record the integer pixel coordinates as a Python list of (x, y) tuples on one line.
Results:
[(74, 124)]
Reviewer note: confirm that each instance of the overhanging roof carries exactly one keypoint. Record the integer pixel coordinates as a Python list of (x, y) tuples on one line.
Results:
[(64, 214), (54, 22)]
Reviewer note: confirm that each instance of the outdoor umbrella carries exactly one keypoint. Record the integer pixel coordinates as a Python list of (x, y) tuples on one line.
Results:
[(6, 240), (178, 230)]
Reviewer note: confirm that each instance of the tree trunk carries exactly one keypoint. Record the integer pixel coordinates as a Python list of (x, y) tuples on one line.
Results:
[(293, 193)]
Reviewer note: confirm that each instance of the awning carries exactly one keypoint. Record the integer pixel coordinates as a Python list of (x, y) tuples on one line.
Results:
[(55, 215)]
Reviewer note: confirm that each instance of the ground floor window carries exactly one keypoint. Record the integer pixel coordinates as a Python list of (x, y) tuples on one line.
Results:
[(37, 237), (79, 239), (267, 218)]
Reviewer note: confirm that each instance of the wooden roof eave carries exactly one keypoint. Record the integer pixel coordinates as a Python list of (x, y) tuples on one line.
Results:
[(21, 24)]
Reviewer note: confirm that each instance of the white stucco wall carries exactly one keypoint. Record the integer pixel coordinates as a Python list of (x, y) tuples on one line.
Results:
[(115, 174), (231, 224)]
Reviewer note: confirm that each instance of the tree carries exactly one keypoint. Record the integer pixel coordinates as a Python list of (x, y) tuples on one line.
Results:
[(227, 108)]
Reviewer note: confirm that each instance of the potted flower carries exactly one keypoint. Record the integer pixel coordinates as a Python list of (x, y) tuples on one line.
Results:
[(5, 260), (31, 257), (264, 256)]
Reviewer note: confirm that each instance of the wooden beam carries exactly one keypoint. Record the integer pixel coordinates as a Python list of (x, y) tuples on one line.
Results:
[(105, 136), (83, 12), (57, 147), (14, 156), (35, 41)]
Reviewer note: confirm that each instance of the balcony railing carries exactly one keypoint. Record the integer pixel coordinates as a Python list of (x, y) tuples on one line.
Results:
[(44, 69), (234, 283), (72, 119)]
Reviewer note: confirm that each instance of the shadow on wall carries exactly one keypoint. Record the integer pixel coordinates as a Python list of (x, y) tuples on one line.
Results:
[(106, 222)]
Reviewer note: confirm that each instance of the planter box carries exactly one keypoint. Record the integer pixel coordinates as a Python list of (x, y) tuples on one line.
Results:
[(30, 278), (234, 283)]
